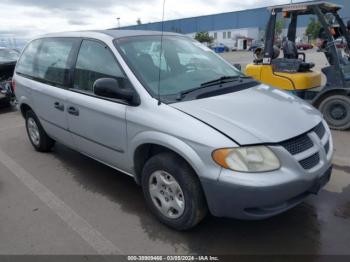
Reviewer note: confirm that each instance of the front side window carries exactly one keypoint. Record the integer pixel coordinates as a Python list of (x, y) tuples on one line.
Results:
[(96, 61), (185, 64)]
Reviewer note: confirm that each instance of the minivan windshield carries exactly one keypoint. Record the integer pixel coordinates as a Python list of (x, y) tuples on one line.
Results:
[(183, 65)]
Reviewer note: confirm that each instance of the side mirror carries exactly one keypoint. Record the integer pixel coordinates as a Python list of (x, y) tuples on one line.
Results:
[(109, 88)]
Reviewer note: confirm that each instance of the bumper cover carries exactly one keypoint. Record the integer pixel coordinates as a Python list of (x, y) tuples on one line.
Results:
[(263, 200)]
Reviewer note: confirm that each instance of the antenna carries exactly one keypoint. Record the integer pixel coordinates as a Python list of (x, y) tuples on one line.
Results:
[(160, 54)]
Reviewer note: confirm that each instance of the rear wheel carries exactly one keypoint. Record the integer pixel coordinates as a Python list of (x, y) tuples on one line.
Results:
[(336, 111), (37, 135), (173, 191)]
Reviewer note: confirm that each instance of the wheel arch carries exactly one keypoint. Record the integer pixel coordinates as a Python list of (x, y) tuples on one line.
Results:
[(332, 92), (24, 108), (143, 149)]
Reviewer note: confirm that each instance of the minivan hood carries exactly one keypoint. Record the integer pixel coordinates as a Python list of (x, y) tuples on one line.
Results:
[(261, 114)]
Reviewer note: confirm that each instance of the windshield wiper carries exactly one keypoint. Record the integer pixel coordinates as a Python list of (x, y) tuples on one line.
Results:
[(221, 80)]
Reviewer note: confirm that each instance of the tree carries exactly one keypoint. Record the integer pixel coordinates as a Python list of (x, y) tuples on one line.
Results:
[(203, 37), (138, 21), (279, 27), (313, 28)]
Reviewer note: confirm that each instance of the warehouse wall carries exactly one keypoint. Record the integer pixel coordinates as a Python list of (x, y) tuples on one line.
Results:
[(249, 23), (232, 20)]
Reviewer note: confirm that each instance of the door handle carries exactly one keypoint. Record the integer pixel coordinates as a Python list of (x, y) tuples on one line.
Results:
[(73, 111), (59, 106)]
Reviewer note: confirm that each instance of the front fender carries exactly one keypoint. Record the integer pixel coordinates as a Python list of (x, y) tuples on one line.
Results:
[(203, 168), (329, 92)]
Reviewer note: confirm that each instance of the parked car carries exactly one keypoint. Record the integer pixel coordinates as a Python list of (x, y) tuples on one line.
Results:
[(204, 137), (220, 48), (8, 58), (304, 46), (256, 45)]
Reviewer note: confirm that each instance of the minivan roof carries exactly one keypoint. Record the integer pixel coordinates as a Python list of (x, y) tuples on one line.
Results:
[(110, 32)]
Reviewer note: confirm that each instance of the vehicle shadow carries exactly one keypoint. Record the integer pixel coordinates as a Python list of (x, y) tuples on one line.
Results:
[(297, 231), (5, 110)]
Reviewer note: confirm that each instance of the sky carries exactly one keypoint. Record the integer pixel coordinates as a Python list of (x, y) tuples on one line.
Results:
[(29, 18)]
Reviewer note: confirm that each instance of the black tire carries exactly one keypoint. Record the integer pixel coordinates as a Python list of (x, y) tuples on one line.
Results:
[(195, 204), (45, 143), (336, 111)]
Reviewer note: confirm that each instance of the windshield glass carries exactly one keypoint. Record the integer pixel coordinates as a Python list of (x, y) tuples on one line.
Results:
[(185, 64), (8, 55)]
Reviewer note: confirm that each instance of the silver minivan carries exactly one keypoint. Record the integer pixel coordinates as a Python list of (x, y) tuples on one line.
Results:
[(192, 130)]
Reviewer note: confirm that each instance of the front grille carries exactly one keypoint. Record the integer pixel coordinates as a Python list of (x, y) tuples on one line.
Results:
[(310, 162), (320, 130), (298, 144), (326, 147), (302, 143)]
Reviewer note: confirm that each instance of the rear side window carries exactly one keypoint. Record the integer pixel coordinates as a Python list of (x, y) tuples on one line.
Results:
[(25, 65), (53, 61), (48, 60), (96, 61)]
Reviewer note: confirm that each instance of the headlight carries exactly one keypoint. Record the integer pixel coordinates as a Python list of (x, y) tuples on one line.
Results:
[(247, 159)]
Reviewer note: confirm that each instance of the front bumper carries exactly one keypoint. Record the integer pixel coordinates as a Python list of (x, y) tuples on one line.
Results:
[(259, 202), (253, 196)]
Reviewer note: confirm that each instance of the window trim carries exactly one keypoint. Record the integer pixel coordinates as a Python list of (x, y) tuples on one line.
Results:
[(91, 93), (43, 81), (87, 93)]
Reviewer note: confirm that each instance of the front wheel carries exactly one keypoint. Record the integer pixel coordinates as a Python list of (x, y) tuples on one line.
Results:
[(336, 111), (173, 191)]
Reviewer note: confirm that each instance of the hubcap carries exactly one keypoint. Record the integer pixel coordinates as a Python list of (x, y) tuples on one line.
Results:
[(166, 194), (338, 112), (33, 131)]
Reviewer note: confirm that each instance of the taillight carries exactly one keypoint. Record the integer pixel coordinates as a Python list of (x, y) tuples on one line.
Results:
[(13, 85)]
